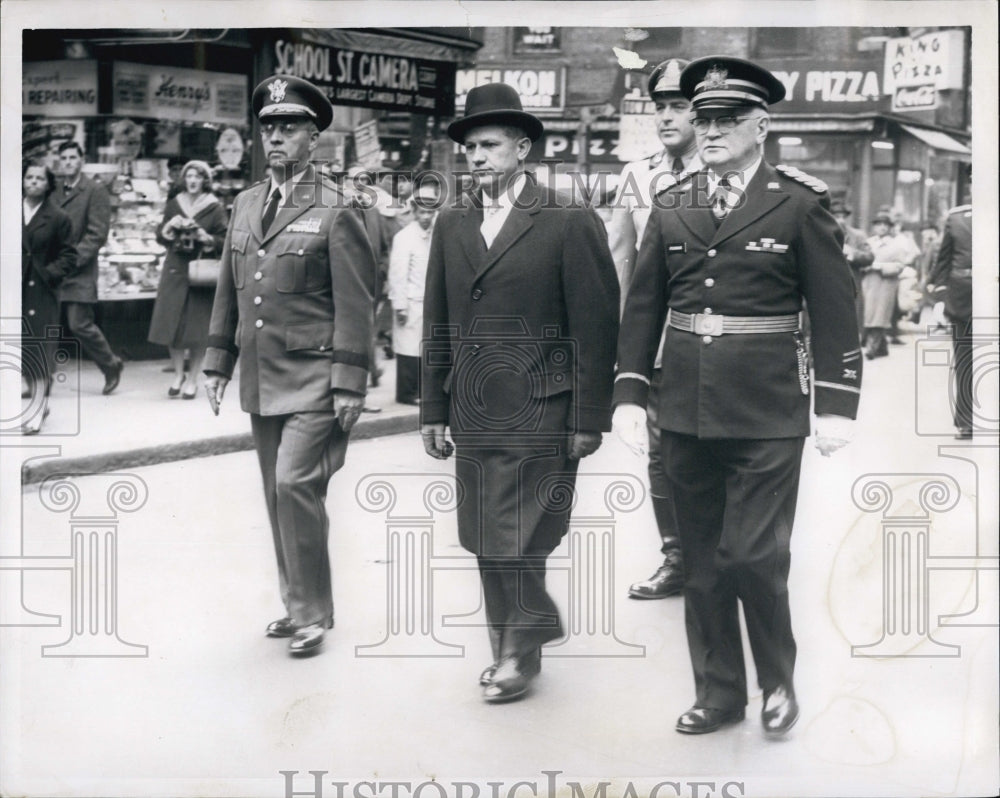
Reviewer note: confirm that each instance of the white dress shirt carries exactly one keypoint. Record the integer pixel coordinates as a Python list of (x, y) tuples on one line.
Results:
[(496, 211)]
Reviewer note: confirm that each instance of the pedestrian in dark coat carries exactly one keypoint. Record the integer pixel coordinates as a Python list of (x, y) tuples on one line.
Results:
[(294, 304), (47, 256), (89, 207), (520, 323), (726, 262), (194, 226), (953, 270)]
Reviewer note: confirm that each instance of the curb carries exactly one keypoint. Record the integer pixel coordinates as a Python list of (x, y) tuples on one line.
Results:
[(35, 472)]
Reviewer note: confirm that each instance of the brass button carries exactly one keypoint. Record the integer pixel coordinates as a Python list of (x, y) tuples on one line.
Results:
[(258, 276), (257, 300), (709, 282), (302, 252), (31, 312), (31, 282), (706, 339), (259, 323), (711, 253), (261, 253), (477, 294), (708, 311)]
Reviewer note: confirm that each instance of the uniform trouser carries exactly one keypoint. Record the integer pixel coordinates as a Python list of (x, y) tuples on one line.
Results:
[(520, 613), (80, 320), (961, 341), (407, 378), (735, 504), (298, 453), (659, 487)]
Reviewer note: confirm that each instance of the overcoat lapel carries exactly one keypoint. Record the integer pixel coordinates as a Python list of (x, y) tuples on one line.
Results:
[(692, 208), (758, 202), (519, 221), (255, 209), (303, 198), (471, 238)]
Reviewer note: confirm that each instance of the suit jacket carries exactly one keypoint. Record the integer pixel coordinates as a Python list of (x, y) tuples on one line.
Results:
[(953, 268), (47, 256), (509, 329), (88, 206), (294, 305), (777, 248)]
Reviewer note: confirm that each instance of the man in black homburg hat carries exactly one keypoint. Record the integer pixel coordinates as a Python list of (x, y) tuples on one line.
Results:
[(520, 324), (294, 252), (640, 181), (727, 260)]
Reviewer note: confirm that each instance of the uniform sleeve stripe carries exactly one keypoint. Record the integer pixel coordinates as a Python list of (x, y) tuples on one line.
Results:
[(349, 358), (836, 386), (853, 354), (629, 375), (222, 342)]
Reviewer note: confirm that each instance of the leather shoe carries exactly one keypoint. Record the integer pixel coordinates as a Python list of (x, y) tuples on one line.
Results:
[(964, 434), (113, 376), (307, 639), (780, 711), (283, 627), (667, 581), (512, 677), (486, 677), (702, 720)]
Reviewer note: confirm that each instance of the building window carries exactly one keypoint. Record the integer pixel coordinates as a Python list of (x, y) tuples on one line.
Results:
[(780, 41)]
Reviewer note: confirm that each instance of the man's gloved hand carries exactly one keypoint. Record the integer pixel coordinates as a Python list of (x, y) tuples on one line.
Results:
[(215, 389), (629, 424), (584, 443), (435, 443), (348, 407), (833, 433)]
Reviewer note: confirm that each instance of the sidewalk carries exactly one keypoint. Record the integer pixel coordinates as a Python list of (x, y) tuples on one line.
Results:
[(140, 425)]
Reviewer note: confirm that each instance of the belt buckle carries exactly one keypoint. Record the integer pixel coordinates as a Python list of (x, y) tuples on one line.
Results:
[(707, 325)]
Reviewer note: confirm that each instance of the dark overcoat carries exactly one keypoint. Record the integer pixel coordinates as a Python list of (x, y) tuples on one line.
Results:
[(89, 208), (519, 348), (47, 256), (182, 311), (779, 247), (294, 305), (953, 267)]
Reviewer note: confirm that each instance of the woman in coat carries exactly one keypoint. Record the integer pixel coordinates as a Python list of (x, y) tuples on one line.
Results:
[(880, 283), (194, 226), (47, 256)]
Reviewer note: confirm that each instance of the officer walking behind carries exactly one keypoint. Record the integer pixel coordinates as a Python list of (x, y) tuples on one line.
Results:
[(294, 303), (520, 327), (953, 270), (89, 208), (726, 261), (640, 181)]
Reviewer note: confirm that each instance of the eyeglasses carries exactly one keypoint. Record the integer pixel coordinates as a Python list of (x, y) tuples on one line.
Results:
[(286, 128), (726, 124)]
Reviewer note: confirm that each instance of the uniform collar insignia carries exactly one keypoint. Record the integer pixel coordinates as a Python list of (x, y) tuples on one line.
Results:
[(715, 78), (277, 89)]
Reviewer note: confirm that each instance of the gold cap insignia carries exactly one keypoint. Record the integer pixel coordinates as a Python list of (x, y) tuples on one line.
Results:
[(715, 78), (277, 89)]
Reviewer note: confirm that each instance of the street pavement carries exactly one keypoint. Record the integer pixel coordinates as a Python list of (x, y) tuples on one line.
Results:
[(216, 708)]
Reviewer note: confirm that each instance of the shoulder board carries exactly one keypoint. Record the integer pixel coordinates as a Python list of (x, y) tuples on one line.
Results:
[(799, 176), (960, 209)]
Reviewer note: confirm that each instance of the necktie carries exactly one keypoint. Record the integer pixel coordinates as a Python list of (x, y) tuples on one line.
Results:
[(270, 211), (677, 167), (720, 202)]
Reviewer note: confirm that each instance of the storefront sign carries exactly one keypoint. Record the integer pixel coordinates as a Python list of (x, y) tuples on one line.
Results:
[(367, 148), (637, 132), (935, 59), (915, 98), (59, 88), (565, 147), (836, 87), (536, 40), (371, 80), (542, 90), (191, 95)]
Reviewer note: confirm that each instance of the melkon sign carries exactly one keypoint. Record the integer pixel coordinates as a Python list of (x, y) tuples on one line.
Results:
[(541, 90)]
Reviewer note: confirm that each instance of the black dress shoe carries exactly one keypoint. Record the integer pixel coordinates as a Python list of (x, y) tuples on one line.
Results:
[(308, 639), (283, 627), (113, 376), (963, 434), (512, 677), (702, 720), (487, 675), (780, 711), (667, 581)]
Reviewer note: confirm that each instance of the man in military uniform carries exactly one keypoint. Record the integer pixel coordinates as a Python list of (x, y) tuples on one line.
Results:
[(953, 270), (294, 303), (640, 181), (727, 259)]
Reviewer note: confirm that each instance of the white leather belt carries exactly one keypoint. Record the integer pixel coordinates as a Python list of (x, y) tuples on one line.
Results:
[(716, 324)]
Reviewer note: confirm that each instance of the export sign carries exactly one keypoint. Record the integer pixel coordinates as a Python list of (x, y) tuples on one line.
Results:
[(370, 80), (542, 91), (59, 88), (190, 95)]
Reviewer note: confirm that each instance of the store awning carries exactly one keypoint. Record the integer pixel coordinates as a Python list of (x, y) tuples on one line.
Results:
[(938, 140), (405, 42), (785, 124)]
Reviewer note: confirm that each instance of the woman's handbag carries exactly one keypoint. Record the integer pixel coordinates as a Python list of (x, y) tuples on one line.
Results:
[(204, 272)]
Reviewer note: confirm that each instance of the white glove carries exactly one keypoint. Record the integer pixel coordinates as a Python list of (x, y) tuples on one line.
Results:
[(629, 424), (833, 433)]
